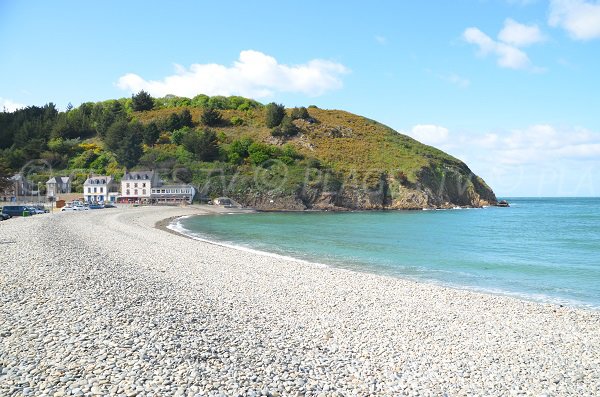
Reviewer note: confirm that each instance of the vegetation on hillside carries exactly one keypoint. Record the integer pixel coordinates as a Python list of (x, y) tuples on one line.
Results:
[(229, 145)]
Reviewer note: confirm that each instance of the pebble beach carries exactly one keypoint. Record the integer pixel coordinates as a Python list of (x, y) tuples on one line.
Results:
[(110, 302)]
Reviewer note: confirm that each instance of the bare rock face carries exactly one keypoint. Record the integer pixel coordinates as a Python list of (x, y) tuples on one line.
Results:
[(435, 188)]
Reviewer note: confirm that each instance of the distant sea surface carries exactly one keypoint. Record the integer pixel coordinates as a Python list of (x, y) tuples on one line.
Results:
[(542, 249)]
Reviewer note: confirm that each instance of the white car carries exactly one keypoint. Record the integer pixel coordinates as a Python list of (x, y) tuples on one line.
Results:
[(75, 208)]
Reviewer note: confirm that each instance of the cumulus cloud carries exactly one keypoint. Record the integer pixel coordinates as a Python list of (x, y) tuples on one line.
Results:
[(535, 144), (543, 142), (541, 159), (581, 19), (254, 75), (430, 134), (507, 48), (508, 56), (520, 35), (8, 105)]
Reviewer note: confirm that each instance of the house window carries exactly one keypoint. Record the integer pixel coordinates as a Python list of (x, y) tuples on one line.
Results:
[(94, 189), (127, 184), (144, 192), (144, 184), (101, 189), (127, 192), (89, 189), (135, 185), (135, 192)]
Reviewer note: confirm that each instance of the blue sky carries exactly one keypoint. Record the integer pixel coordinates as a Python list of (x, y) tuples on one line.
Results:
[(511, 87)]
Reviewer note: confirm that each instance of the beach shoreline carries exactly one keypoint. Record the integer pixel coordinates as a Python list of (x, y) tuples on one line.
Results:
[(172, 225), (105, 302)]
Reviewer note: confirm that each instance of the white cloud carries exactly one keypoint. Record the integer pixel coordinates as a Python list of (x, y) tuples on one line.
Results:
[(508, 56), (9, 106), (520, 35), (581, 19), (430, 134), (255, 75), (521, 2), (535, 144), (381, 40), (543, 142), (457, 80), (539, 160)]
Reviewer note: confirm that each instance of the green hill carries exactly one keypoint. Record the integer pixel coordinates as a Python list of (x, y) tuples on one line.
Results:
[(310, 159)]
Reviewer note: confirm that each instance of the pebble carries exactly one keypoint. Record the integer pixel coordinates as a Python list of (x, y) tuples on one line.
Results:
[(104, 303)]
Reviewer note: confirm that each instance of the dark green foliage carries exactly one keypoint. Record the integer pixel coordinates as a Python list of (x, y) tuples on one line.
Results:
[(183, 174), (211, 117), (109, 112), (5, 175), (151, 134), (142, 101), (130, 150), (275, 114), (176, 121), (185, 119), (124, 139), (173, 122), (73, 124), (300, 113), (203, 145), (286, 129)]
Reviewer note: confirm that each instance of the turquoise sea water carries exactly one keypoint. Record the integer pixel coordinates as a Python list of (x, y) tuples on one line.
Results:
[(545, 249)]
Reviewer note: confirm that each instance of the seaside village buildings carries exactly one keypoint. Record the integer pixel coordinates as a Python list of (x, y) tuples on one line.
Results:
[(100, 188), (56, 186), (145, 187), (139, 187)]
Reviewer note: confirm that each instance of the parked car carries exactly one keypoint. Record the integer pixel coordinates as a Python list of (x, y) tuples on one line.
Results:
[(37, 210), (95, 206), (16, 210), (67, 208), (109, 205), (42, 208), (4, 216), (32, 210)]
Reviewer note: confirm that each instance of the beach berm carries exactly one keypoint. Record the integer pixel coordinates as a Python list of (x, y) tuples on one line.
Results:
[(106, 303)]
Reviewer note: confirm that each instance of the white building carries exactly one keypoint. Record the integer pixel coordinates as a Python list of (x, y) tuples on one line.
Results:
[(136, 187), (173, 194), (99, 188)]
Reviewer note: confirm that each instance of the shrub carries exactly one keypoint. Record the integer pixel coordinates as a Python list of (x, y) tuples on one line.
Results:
[(275, 114), (178, 135), (142, 101), (204, 145), (287, 128), (237, 121), (300, 113), (258, 153), (211, 117)]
